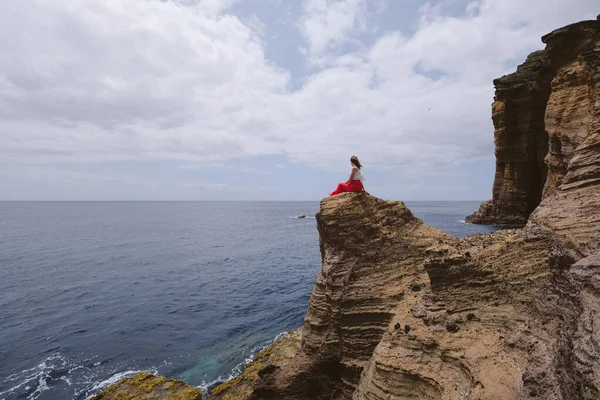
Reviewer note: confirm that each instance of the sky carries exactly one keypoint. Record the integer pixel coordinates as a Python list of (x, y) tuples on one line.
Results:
[(257, 99)]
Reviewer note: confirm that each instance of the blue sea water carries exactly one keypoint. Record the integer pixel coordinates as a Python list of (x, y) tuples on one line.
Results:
[(91, 292)]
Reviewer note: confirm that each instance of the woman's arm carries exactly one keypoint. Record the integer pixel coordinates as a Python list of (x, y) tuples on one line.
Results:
[(354, 169)]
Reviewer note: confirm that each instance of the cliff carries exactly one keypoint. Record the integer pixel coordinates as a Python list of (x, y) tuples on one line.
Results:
[(572, 118), (401, 310), (541, 114), (521, 143), (571, 202)]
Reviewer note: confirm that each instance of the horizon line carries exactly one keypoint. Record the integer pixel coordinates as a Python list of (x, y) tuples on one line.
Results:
[(208, 201)]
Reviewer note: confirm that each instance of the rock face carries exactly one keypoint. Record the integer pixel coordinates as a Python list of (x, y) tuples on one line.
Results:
[(404, 311), (521, 143), (572, 192), (542, 113), (573, 113), (373, 260)]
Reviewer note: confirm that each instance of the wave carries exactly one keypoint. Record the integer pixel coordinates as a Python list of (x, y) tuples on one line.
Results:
[(59, 374), (32, 382)]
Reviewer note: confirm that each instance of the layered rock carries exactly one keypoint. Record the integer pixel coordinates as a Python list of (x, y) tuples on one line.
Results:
[(555, 131), (488, 327), (373, 255), (402, 310), (373, 260), (521, 143), (573, 113), (572, 191)]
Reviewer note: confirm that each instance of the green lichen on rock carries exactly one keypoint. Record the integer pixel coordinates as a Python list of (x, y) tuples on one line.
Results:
[(146, 386)]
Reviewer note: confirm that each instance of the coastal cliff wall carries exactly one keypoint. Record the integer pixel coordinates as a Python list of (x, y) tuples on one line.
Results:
[(373, 255), (572, 118), (521, 143), (541, 114), (401, 310), (569, 210)]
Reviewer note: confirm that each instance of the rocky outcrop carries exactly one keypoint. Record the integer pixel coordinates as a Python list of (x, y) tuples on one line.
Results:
[(373, 255), (521, 143), (144, 386), (401, 310), (277, 356)]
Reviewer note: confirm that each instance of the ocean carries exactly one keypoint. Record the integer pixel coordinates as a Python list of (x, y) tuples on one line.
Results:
[(91, 292)]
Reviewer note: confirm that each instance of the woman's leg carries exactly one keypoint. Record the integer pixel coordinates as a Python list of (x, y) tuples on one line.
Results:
[(355, 186), (341, 188)]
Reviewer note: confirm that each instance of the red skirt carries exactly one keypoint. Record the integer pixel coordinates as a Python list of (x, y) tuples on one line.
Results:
[(351, 186)]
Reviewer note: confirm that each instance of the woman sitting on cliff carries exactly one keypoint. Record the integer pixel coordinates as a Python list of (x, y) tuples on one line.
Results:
[(354, 184)]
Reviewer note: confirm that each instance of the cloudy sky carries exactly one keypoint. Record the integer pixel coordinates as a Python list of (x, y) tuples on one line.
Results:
[(257, 99)]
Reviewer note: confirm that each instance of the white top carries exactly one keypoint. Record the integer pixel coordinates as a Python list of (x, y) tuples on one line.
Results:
[(358, 176)]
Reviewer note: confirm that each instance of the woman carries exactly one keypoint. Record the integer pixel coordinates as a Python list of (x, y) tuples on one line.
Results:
[(354, 184)]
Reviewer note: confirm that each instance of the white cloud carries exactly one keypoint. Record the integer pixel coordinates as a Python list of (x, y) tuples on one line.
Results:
[(87, 81), (130, 78), (329, 23)]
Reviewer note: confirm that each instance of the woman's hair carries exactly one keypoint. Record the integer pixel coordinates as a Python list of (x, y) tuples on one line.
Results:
[(354, 160)]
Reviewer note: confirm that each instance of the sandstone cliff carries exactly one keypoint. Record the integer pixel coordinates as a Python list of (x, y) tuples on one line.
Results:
[(573, 113), (521, 143), (571, 202), (541, 114), (402, 310)]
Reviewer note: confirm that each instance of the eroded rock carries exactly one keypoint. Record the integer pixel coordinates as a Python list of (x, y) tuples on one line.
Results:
[(547, 120)]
